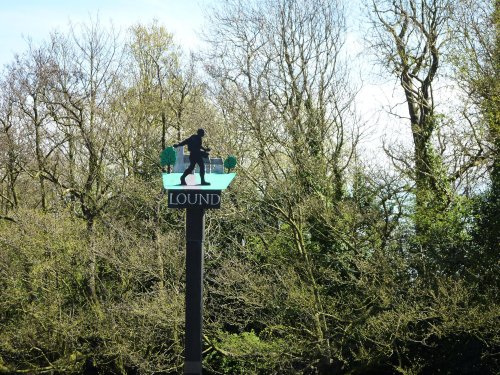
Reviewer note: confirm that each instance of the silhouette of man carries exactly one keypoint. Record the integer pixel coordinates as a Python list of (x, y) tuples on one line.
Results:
[(196, 154)]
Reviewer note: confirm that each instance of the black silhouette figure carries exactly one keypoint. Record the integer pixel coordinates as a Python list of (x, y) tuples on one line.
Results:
[(196, 154)]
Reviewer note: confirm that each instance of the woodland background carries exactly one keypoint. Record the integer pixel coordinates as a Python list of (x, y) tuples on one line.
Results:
[(324, 259)]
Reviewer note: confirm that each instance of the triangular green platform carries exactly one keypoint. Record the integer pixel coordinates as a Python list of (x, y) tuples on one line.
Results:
[(172, 181)]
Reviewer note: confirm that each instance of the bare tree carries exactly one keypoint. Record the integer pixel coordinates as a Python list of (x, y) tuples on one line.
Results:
[(283, 90), (283, 82), (409, 37), (85, 75), (29, 78), (10, 150)]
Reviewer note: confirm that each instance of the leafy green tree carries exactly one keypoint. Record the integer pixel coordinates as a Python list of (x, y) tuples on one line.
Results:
[(291, 118), (167, 158), (476, 60), (156, 59), (312, 267), (230, 163)]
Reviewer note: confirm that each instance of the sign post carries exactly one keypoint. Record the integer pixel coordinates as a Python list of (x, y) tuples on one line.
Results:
[(195, 198), (195, 235)]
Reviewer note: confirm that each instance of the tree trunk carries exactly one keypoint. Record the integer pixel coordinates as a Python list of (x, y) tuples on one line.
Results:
[(163, 130), (159, 250), (92, 260), (39, 157)]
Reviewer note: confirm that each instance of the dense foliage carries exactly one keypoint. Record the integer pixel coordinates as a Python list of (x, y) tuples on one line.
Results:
[(320, 262)]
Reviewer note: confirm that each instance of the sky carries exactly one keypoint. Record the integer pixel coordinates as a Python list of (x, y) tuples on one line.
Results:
[(35, 19)]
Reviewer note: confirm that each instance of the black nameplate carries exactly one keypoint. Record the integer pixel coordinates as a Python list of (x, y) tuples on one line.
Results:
[(194, 198)]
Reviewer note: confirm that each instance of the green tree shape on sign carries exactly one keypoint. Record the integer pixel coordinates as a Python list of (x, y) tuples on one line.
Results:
[(168, 158), (230, 163)]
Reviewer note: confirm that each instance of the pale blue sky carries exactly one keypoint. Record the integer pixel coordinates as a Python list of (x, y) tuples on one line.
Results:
[(20, 19)]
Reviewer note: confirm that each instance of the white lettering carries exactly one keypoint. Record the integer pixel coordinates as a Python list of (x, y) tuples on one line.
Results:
[(205, 199), (171, 199), (195, 198), (181, 195), (213, 201), (191, 198)]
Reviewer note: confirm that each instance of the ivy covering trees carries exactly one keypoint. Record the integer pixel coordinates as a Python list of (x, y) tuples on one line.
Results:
[(319, 262)]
